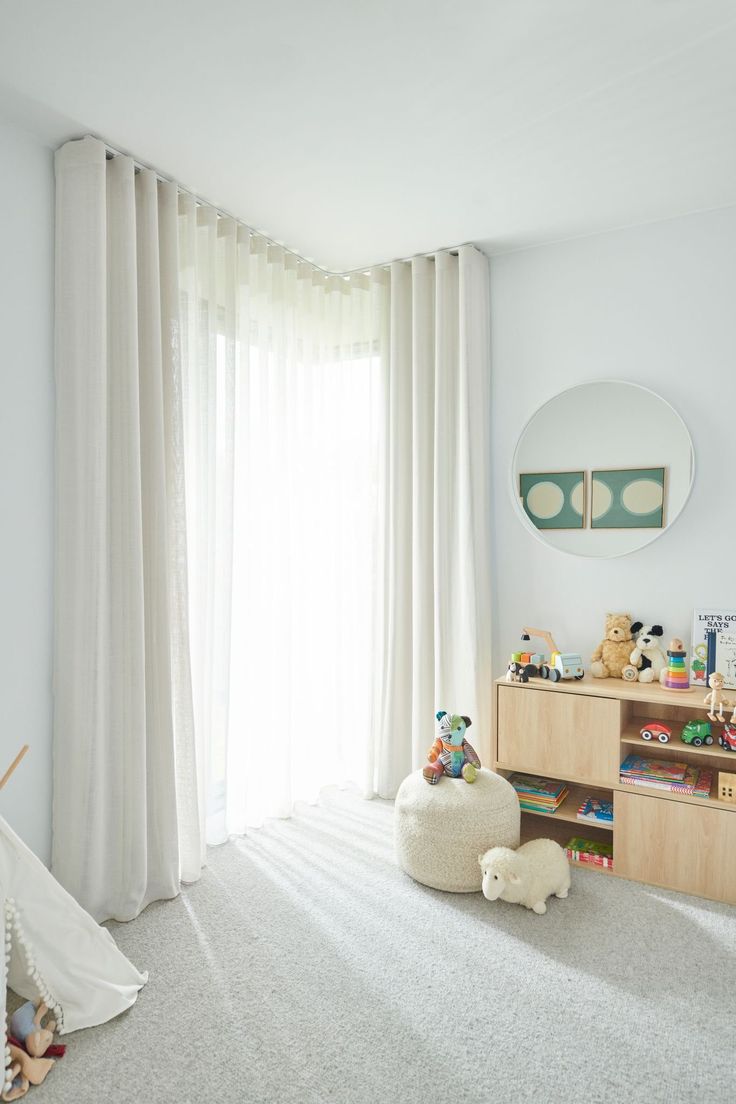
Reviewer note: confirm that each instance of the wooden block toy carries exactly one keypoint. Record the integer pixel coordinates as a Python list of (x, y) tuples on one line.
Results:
[(727, 787), (675, 675)]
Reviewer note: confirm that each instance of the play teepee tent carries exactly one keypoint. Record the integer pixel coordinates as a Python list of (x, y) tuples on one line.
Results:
[(53, 949)]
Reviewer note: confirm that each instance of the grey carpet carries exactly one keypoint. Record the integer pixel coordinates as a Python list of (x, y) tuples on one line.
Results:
[(305, 967)]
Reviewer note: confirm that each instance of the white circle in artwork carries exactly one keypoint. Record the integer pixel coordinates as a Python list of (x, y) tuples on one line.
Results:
[(602, 498), (545, 500), (577, 500), (642, 496)]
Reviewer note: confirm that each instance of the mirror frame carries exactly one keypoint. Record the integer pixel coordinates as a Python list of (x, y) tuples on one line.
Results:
[(656, 533)]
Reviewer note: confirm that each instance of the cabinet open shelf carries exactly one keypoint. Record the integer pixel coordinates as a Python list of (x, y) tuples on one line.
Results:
[(676, 749), (569, 808), (562, 832)]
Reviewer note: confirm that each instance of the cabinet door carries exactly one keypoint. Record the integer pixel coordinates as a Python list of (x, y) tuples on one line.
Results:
[(563, 734), (677, 845)]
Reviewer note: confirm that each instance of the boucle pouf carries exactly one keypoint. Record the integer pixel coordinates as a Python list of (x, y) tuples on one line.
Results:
[(439, 831)]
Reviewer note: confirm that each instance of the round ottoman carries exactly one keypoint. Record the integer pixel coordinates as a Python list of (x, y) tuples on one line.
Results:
[(439, 831)]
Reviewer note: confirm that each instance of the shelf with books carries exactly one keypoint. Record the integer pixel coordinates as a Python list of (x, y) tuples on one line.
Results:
[(562, 832), (669, 775), (569, 808), (710, 802)]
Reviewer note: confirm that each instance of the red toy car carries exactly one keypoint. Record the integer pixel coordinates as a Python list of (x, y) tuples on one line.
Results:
[(727, 739), (654, 730)]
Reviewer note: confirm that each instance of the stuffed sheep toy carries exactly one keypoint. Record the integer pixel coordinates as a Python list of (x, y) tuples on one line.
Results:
[(527, 876)]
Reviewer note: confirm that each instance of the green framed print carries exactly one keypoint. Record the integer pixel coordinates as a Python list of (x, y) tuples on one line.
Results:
[(628, 498), (554, 500)]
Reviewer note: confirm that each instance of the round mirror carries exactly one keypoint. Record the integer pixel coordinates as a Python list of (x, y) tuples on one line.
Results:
[(602, 469)]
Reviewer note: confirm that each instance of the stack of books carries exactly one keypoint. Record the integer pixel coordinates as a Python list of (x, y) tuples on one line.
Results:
[(662, 774), (596, 811), (538, 795), (590, 851)]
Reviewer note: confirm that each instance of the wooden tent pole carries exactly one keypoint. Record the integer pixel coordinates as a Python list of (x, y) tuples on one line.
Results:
[(13, 765)]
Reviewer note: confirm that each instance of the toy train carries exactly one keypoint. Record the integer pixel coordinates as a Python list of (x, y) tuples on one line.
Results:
[(560, 665)]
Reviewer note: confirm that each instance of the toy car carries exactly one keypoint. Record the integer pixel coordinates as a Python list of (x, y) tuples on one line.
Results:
[(727, 739), (563, 665), (696, 733), (654, 730)]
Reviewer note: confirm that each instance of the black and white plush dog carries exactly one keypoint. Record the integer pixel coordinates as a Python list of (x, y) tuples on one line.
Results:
[(647, 660)]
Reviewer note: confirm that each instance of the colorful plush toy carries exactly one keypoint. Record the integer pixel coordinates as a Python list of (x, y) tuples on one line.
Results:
[(451, 753)]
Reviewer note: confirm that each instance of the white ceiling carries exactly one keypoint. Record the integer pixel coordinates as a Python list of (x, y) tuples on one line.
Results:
[(359, 132)]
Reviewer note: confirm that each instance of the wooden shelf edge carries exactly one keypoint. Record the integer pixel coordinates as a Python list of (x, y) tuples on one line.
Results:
[(549, 774), (686, 799), (617, 689)]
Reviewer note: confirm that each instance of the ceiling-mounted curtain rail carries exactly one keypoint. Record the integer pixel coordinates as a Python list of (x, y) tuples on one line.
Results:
[(200, 201)]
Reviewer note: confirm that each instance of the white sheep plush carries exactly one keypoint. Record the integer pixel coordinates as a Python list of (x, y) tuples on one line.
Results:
[(527, 876)]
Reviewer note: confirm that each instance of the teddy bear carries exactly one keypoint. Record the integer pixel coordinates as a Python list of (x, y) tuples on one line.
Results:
[(613, 652), (647, 660), (451, 753)]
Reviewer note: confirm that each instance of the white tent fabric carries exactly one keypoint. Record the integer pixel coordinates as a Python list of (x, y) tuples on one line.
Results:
[(56, 950)]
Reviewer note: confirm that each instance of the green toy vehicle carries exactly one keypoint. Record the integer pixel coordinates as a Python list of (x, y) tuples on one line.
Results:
[(697, 733)]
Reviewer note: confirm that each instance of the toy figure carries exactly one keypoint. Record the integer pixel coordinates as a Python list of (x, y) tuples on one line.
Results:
[(26, 1024), (715, 698), (451, 753)]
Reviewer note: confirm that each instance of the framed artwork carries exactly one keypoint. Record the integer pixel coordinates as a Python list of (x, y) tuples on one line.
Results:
[(628, 498), (554, 500)]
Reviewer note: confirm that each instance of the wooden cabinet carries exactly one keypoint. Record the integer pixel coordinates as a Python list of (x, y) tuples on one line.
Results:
[(580, 733), (679, 846), (568, 736)]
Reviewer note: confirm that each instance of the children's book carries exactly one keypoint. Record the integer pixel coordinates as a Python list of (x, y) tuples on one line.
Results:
[(696, 782), (540, 787), (585, 850), (722, 656), (664, 770), (596, 811), (713, 619)]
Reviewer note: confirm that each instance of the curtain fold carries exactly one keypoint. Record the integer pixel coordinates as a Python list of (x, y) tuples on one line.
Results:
[(272, 526), (123, 732), (434, 621)]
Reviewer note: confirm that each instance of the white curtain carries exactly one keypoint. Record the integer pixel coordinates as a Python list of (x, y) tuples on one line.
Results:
[(338, 457), (282, 382), (126, 822), (331, 435), (433, 638)]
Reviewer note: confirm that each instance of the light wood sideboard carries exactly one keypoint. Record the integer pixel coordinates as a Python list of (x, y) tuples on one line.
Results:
[(580, 732)]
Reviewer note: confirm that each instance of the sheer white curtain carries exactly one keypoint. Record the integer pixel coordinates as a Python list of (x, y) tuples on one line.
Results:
[(282, 389), (125, 801), (338, 458), (273, 526)]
